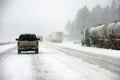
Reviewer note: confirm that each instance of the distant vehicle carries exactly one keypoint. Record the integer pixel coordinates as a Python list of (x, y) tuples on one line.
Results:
[(56, 37), (28, 42), (76, 42), (104, 36), (49, 37), (40, 37)]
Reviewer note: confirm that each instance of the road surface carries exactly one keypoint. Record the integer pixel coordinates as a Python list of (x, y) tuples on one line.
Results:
[(55, 63)]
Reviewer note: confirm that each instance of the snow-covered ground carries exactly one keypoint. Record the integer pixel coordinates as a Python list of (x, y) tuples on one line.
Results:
[(50, 64), (93, 50), (6, 47)]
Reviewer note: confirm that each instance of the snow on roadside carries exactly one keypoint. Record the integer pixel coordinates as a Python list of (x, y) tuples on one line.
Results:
[(94, 50), (6, 47)]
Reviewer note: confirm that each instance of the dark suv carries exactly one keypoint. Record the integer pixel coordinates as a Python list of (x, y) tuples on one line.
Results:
[(28, 42)]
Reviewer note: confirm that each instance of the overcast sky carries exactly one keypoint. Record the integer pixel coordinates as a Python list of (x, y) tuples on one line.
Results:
[(40, 16)]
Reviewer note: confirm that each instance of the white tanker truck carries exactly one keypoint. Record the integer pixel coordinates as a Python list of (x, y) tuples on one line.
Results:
[(107, 36)]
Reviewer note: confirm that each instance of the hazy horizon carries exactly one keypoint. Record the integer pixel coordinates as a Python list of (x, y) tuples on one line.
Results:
[(40, 16)]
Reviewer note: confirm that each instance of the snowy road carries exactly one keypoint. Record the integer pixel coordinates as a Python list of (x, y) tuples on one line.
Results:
[(55, 63)]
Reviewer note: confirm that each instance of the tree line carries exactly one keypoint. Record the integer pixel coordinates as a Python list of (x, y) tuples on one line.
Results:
[(86, 18)]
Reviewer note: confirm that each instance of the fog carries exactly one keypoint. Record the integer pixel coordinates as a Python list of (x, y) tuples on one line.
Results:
[(39, 16)]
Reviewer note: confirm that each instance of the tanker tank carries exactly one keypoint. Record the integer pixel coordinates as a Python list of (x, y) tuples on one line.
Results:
[(98, 32), (109, 30), (116, 30), (113, 30), (101, 31), (92, 32)]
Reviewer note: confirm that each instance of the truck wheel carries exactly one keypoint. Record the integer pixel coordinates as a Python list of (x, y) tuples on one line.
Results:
[(82, 44)]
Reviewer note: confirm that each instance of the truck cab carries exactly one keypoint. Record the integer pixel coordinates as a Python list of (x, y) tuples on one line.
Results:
[(85, 37)]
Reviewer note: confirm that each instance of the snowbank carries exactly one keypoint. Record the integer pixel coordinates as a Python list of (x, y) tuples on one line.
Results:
[(93, 50), (4, 48)]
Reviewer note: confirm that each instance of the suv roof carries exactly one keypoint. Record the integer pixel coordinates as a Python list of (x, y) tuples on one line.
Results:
[(29, 37), (27, 34)]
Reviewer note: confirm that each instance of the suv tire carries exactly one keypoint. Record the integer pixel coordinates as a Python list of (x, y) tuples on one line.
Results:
[(36, 51), (19, 51)]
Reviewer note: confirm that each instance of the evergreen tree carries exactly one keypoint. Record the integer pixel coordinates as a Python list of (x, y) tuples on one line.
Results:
[(68, 26), (82, 20), (106, 15), (113, 11), (118, 12), (98, 15)]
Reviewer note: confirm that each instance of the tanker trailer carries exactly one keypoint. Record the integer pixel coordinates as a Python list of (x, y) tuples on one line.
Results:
[(109, 30), (92, 32), (113, 33), (100, 35)]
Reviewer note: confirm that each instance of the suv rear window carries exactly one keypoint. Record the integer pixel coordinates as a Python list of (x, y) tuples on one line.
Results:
[(27, 38)]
